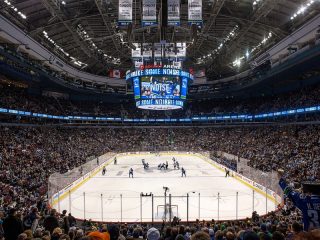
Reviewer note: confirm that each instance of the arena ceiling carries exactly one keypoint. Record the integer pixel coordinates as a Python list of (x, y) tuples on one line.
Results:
[(86, 30)]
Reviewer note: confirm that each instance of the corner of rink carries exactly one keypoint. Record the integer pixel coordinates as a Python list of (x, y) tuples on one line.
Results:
[(157, 189)]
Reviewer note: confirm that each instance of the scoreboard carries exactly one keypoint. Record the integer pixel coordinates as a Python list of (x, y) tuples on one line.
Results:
[(160, 88)]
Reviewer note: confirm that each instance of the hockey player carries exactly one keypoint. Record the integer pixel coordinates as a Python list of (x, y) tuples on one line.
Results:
[(177, 164), (174, 160), (167, 165), (145, 165), (308, 202), (115, 161), (183, 172), (163, 166), (104, 171), (227, 172), (131, 172)]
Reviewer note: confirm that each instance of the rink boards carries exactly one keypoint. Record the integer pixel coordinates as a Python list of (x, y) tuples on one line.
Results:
[(71, 198)]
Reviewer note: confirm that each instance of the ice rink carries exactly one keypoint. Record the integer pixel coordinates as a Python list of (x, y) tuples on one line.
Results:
[(116, 197)]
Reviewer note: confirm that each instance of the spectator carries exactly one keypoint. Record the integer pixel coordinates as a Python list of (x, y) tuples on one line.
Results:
[(12, 226), (250, 235), (153, 234), (51, 222), (1, 222), (277, 236), (22, 236), (72, 220), (65, 224), (114, 232), (56, 233), (200, 236)]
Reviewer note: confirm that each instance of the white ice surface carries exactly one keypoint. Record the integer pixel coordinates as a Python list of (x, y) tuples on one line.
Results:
[(202, 177)]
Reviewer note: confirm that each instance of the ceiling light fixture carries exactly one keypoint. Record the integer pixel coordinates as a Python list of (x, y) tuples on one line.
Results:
[(73, 59), (85, 36), (230, 36), (23, 16), (256, 2), (302, 9), (237, 62)]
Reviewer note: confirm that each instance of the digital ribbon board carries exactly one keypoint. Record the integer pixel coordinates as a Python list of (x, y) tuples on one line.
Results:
[(160, 88)]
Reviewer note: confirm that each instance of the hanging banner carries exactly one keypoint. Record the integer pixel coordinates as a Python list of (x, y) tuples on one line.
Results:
[(136, 53), (177, 65), (149, 12), (174, 12), (158, 52), (181, 51), (195, 12), (138, 64), (170, 51), (125, 12), (147, 49)]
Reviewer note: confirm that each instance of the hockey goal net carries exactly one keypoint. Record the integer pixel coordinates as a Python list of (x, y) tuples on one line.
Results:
[(165, 212)]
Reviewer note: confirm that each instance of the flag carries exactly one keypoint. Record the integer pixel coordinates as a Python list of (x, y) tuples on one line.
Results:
[(200, 73), (115, 73)]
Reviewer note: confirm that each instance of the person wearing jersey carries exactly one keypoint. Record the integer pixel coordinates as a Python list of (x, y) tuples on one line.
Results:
[(308, 202), (183, 172), (227, 172), (104, 171), (131, 172)]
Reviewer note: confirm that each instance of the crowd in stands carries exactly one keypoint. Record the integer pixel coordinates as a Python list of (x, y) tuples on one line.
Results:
[(229, 163), (30, 154), (48, 225), (18, 98)]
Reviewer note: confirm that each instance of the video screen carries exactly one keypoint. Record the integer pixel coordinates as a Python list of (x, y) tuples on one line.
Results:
[(184, 88), (167, 87)]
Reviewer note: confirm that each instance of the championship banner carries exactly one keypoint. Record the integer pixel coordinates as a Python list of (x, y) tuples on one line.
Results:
[(138, 64), (158, 52), (181, 51), (149, 12), (195, 12), (170, 52), (174, 12), (136, 53), (177, 65), (147, 49), (125, 12)]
